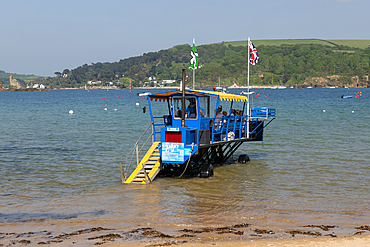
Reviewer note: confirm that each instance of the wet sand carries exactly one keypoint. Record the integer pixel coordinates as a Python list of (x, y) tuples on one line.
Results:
[(236, 235), (353, 241)]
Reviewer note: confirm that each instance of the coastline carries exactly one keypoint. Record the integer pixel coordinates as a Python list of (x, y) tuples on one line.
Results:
[(351, 241), (171, 87), (53, 233)]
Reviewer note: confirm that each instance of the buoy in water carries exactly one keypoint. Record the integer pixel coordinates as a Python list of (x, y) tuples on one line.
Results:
[(353, 111), (117, 97), (137, 104), (103, 97), (70, 112), (265, 97), (142, 97), (105, 109), (323, 110), (115, 109)]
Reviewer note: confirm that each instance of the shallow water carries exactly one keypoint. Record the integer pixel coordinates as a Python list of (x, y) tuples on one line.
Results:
[(63, 170)]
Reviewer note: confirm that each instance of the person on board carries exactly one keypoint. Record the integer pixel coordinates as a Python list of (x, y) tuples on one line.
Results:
[(218, 120), (224, 113), (191, 109)]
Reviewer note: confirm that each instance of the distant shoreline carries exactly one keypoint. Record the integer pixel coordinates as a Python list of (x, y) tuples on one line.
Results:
[(169, 87), (151, 88)]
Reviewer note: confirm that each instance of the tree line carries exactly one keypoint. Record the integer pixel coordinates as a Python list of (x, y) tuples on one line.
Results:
[(278, 65)]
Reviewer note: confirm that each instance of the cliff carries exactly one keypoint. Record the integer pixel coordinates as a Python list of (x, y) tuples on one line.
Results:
[(13, 83)]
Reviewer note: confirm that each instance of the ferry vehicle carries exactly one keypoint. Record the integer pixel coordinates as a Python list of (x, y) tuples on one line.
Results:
[(190, 142)]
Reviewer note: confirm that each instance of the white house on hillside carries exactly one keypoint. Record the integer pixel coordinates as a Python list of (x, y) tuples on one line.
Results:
[(168, 81)]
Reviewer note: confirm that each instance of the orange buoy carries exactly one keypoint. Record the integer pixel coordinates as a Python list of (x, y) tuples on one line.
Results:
[(257, 95), (103, 97), (263, 92), (265, 97), (142, 97), (117, 96)]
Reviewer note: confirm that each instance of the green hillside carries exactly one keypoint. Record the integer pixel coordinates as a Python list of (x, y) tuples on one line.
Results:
[(362, 44), (308, 62)]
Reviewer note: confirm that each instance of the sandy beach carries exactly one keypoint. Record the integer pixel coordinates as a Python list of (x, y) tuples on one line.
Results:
[(237, 235), (353, 241)]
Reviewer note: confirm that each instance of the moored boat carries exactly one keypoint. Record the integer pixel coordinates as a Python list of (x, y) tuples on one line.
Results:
[(246, 93)]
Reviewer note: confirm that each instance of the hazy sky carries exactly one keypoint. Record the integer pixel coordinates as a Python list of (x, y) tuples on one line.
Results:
[(44, 36)]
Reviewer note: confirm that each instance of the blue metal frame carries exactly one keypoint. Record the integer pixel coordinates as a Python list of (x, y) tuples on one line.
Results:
[(219, 130)]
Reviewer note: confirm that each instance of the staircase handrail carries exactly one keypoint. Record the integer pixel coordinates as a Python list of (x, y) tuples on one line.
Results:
[(131, 153)]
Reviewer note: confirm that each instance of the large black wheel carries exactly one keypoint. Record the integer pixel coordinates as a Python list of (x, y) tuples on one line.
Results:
[(206, 171)]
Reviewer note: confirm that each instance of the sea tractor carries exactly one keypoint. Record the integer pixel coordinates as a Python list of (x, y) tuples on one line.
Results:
[(190, 138)]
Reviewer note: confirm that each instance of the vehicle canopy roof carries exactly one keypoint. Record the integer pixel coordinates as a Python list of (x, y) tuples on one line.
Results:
[(199, 93)]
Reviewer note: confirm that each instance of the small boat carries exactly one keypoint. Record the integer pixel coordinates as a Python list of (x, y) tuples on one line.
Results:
[(346, 96), (281, 87), (273, 87), (246, 93), (143, 94)]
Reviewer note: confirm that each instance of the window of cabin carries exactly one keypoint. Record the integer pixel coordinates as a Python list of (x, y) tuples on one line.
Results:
[(204, 106), (190, 104)]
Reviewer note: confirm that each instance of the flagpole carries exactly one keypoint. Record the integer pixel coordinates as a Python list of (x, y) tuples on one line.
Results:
[(248, 111), (193, 79), (194, 70)]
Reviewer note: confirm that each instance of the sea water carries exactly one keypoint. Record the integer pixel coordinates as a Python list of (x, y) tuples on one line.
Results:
[(58, 169)]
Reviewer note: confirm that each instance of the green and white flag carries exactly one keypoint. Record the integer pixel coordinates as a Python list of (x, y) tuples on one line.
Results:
[(194, 57)]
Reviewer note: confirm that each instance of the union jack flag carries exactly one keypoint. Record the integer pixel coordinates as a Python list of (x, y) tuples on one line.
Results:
[(254, 55)]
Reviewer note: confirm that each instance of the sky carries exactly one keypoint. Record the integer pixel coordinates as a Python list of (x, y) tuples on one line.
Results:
[(41, 37)]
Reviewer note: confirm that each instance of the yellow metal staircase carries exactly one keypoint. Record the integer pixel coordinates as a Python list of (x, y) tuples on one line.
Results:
[(148, 167)]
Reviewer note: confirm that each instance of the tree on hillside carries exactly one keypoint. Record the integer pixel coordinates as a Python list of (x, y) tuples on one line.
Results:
[(288, 64)]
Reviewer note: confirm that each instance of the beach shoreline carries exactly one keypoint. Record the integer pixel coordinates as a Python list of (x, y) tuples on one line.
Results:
[(345, 241), (53, 233)]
